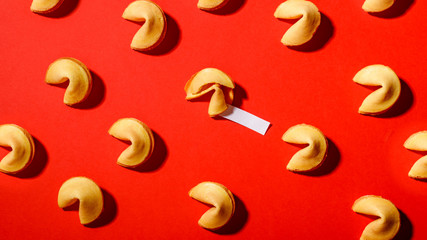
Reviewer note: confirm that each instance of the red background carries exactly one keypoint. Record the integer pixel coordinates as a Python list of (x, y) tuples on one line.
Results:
[(312, 85)]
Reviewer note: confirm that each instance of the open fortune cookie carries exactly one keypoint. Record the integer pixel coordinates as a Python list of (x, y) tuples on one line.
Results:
[(207, 80)]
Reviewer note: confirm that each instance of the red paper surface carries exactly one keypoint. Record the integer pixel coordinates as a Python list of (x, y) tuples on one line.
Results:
[(285, 86)]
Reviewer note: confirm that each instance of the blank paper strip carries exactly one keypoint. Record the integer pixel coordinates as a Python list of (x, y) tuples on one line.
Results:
[(246, 119)]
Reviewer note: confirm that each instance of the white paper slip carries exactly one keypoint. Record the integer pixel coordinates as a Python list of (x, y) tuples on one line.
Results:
[(246, 119)]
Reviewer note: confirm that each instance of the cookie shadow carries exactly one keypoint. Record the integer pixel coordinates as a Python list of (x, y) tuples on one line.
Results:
[(240, 94), (399, 8), (323, 34), (157, 158), (230, 7), (109, 212), (420, 179), (38, 163), (403, 103), (331, 162), (65, 9), (96, 95), (237, 221), (406, 229), (170, 41)]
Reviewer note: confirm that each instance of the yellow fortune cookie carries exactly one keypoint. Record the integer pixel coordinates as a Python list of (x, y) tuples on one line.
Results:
[(207, 80), (78, 75), (153, 29), (22, 145), (45, 6), (141, 138), (377, 5), (418, 142), (312, 156), (88, 194), (221, 200), (303, 30), (383, 98), (211, 5), (388, 223)]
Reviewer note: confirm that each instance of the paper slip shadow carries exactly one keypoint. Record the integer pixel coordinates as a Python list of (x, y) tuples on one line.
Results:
[(403, 103), (237, 221), (65, 9), (38, 163), (323, 34), (399, 8), (109, 212), (170, 41), (406, 229), (230, 7), (96, 95), (157, 158), (331, 162)]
